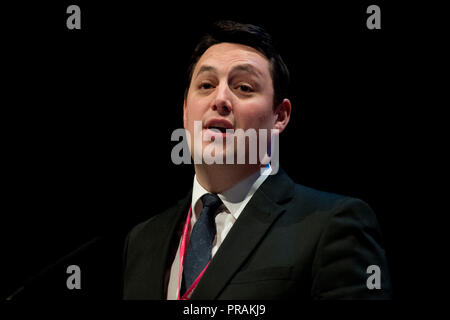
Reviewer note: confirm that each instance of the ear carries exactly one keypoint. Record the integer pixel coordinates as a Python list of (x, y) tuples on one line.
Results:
[(282, 115)]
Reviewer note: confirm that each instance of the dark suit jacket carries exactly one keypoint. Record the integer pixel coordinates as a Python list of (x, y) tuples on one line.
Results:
[(290, 242)]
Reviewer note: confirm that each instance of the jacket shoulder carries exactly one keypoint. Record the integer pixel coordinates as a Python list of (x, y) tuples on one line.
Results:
[(313, 200), (324, 205)]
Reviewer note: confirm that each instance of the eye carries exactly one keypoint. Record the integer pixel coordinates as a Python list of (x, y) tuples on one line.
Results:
[(205, 85), (245, 88)]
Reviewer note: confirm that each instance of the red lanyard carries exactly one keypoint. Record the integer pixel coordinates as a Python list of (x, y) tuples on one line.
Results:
[(184, 241)]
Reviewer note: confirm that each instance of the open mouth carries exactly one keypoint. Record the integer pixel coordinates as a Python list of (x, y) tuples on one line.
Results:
[(219, 125), (221, 129)]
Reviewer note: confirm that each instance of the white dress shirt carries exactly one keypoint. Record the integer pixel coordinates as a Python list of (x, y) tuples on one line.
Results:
[(234, 201)]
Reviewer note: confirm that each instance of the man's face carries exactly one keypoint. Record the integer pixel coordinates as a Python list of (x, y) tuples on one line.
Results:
[(231, 87)]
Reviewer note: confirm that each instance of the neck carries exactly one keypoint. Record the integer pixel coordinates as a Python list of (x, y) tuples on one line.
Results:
[(218, 178)]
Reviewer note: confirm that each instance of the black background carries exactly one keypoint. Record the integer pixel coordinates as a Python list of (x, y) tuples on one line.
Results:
[(88, 115)]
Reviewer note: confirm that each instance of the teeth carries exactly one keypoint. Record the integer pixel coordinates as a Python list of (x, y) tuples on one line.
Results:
[(218, 128)]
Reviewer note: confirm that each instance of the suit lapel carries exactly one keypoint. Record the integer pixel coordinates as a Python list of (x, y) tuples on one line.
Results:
[(251, 226)]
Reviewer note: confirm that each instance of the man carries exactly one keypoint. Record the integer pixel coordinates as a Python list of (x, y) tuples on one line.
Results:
[(246, 231)]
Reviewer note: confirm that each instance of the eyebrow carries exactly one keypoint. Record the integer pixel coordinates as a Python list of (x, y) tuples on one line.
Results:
[(206, 69), (242, 67), (247, 68)]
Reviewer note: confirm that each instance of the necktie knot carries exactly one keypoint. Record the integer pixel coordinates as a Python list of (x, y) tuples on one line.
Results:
[(211, 201)]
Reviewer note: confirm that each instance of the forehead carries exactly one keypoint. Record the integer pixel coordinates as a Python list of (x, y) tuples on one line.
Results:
[(225, 55)]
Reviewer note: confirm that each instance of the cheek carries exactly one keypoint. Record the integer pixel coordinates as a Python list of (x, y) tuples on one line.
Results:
[(195, 107), (256, 116), (191, 113), (189, 118)]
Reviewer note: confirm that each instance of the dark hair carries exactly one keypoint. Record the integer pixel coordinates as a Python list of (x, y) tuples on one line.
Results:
[(252, 36)]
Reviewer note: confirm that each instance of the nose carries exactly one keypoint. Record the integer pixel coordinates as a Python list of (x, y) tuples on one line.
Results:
[(222, 101)]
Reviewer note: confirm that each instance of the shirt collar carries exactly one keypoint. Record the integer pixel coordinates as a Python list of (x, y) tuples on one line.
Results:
[(237, 196)]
